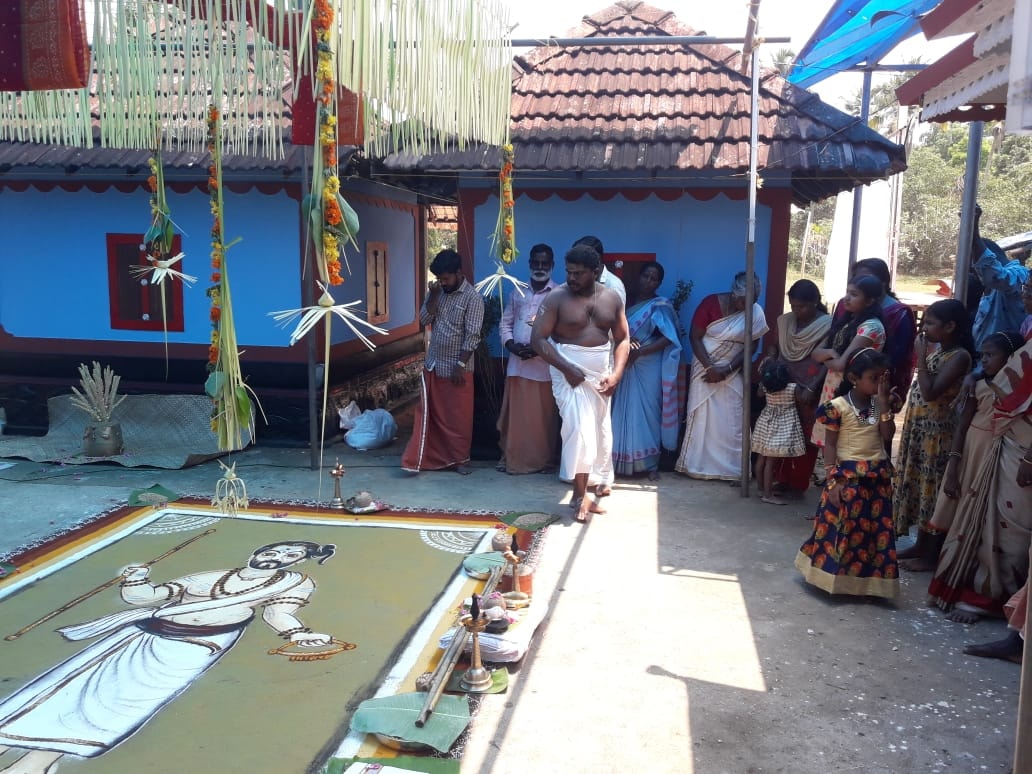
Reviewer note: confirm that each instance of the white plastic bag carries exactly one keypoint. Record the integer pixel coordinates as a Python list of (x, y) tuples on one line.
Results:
[(348, 415), (372, 429)]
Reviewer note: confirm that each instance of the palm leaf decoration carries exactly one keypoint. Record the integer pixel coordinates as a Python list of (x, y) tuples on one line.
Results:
[(396, 716), (426, 72)]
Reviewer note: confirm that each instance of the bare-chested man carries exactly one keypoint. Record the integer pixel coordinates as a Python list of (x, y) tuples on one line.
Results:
[(572, 333)]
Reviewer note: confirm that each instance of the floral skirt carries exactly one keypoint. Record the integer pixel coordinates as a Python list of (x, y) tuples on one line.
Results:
[(853, 547)]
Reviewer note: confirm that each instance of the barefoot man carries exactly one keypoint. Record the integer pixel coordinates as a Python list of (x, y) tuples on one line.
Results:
[(572, 334)]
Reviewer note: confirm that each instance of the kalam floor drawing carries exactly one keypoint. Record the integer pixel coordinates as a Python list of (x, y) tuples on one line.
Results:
[(178, 640)]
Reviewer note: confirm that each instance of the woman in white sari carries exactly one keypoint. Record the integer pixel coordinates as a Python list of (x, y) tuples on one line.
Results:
[(712, 446)]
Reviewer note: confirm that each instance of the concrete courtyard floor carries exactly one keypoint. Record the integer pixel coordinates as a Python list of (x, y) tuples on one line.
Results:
[(680, 637)]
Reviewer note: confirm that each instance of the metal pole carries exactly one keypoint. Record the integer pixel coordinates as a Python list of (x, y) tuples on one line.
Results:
[(307, 300), (858, 192), (967, 212), (750, 257)]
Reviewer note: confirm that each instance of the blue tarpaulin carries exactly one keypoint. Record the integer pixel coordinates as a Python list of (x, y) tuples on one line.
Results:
[(856, 32)]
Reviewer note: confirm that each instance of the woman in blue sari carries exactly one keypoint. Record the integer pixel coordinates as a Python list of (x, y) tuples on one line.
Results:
[(645, 406)]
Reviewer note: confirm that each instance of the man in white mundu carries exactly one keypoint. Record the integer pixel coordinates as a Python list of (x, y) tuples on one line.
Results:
[(150, 654), (572, 334)]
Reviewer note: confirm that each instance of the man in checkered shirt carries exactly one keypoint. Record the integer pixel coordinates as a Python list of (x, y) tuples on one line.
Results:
[(443, 428)]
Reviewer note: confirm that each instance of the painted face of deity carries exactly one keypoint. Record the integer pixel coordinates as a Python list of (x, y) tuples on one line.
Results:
[(277, 557)]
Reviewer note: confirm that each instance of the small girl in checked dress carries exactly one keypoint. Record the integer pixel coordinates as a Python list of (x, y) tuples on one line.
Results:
[(778, 432)]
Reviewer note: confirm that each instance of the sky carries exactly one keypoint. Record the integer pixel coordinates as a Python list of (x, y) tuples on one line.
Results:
[(795, 19)]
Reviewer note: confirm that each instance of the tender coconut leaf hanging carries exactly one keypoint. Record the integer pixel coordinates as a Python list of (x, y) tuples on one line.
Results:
[(434, 69)]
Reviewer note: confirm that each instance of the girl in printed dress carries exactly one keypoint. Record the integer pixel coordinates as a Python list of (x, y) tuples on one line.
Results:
[(944, 349), (853, 549), (860, 329), (778, 433)]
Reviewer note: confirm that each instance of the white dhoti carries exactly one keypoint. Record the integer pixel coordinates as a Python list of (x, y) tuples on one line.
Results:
[(587, 430), (94, 700), (102, 695)]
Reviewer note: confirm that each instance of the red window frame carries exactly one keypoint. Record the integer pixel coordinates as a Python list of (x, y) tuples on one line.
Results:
[(134, 302), (629, 269)]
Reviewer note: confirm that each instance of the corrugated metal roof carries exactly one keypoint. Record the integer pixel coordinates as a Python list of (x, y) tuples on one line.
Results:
[(670, 108), (971, 82)]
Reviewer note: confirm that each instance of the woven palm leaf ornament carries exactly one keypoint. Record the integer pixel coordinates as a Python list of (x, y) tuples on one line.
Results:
[(158, 241), (231, 403), (332, 222), (503, 238)]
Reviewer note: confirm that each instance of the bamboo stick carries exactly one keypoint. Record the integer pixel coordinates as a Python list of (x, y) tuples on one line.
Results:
[(439, 677)]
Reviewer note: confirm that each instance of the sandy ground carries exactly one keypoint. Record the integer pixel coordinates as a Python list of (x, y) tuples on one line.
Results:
[(679, 639)]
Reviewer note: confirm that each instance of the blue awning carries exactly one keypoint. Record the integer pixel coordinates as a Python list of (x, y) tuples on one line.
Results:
[(856, 32)]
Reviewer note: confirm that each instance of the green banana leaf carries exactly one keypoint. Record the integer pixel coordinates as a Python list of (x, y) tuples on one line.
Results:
[(480, 565), (529, 520), (499, 681), (396, 716), (243, 406)]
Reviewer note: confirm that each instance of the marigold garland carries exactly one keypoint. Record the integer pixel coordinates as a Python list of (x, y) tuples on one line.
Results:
[(504, 237), (333, 221)]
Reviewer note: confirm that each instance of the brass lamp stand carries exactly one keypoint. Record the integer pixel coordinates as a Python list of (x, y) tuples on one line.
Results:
[(337, 503), (515, 599), (476, 679)]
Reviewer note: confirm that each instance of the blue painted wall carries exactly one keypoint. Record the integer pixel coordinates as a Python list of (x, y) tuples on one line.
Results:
[(54, 272), (702, 241)]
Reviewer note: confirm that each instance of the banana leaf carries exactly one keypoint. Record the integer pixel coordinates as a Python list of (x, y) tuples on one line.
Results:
[(396, 716), (480, 565), (499, 681), (529, 520), (243, 406)]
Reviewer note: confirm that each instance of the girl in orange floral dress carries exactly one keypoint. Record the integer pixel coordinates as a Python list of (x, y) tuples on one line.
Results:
[(853, 548)]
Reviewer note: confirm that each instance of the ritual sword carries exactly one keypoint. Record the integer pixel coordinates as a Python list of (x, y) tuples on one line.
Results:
[(100, 588)]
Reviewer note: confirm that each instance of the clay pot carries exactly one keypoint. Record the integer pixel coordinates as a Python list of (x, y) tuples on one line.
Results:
[(102, 440)]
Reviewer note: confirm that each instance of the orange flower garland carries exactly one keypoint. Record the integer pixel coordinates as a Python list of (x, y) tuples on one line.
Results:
[(331, 212), (158, 239), (504, 237)]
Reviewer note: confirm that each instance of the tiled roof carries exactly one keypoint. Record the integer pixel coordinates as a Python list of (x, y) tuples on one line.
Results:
[(661, 109), (40, 160)]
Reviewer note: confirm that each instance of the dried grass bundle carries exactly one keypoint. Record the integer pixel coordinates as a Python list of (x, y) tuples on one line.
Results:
[(99, 395)]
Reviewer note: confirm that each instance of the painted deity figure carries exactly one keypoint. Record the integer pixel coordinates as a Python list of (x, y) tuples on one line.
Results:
[(150, 653)]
